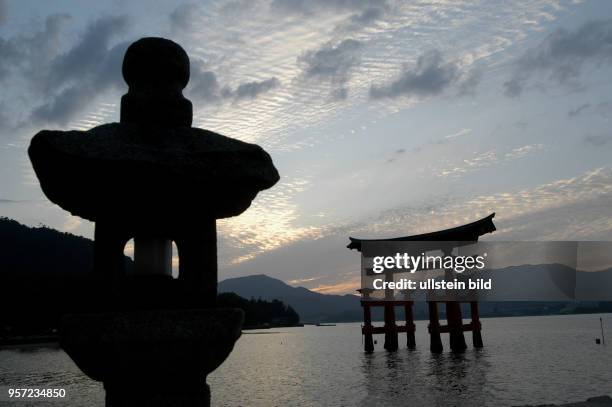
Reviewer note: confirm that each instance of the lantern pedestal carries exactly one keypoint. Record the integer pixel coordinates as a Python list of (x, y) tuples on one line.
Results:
[(153, 357)]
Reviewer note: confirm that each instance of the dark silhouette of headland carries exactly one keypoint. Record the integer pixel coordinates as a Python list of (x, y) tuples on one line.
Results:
[(45, 274), (154, 178)]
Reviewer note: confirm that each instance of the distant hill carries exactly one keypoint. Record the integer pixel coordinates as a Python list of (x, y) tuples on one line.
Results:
[(259, 313), (310, 305), (525, 283)]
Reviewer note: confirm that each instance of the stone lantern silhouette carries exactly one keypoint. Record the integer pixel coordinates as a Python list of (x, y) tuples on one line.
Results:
[(154, 178)]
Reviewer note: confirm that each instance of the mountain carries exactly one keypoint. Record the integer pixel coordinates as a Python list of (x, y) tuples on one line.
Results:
[(547, 282), (543, 289), (310, 305)]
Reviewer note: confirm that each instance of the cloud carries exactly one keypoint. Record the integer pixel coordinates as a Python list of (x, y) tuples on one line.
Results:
[(598, 140), (270, 223), (586, 195), (3, 13), (78, 76), (467, 86), (332, 63), (292, 6), (513, 87), (398, 152), (431, 76), (205, 87), (520, 152), (63, 105), (182, 16), (25, 54), (486, 159), (480, 160), (203, 83), (71, 224), (36, 56), (578, 110), (364, 18), (600, 109), (311, 7), (89, 53), (185, 17), (460, 133), (8, 55), (303, 280), (251, 90), (340, 93), (16, 201), (562, 55), (343, 287), (237, 8), (363, 13), (367, 16)]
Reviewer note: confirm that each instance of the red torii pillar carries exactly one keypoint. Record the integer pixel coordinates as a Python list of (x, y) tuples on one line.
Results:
[(390, 328), (455, 327), (409, 320)]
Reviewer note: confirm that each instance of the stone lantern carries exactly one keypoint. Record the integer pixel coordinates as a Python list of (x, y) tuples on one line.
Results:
[(152, 177)]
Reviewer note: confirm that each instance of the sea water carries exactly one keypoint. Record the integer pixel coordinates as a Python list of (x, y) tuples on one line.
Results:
[(526, 360)]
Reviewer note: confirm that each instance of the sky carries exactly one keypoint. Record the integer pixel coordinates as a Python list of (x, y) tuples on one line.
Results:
[(384, 118)]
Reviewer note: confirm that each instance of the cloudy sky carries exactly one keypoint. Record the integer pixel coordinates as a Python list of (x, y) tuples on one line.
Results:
[(384, 117)]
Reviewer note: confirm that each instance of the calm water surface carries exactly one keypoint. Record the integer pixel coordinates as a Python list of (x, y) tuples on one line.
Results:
[(526, 360)]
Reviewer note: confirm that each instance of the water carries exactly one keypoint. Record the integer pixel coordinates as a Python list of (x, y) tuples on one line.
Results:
[(526, 360)]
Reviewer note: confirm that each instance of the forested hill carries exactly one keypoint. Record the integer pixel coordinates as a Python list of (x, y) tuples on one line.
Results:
[(45, 273), (43, 251)]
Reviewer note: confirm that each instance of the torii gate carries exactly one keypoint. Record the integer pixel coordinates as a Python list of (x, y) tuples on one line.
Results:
[(455, 326)]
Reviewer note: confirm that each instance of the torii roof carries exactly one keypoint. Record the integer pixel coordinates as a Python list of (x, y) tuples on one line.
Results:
[(468, 232)]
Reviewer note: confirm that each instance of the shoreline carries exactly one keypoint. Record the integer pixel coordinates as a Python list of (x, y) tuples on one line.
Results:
[(51, 339)]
